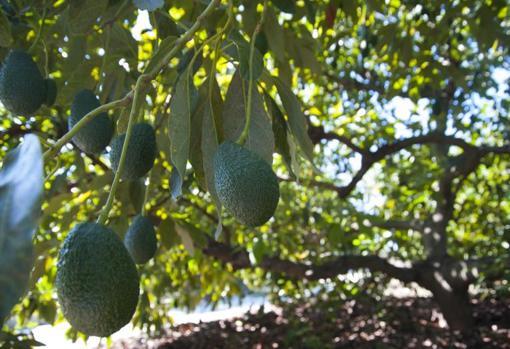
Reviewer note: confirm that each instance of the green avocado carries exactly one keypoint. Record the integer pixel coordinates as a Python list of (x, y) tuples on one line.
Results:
[(141, 151), (97, 282), (246, 185), (94, 137), (140, 240), (22, 87)]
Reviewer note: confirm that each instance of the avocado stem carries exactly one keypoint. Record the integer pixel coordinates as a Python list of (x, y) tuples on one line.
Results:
[(116, 180), (141, 83)]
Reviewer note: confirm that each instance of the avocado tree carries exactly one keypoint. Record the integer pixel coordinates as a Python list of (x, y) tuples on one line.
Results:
[(268, 144)]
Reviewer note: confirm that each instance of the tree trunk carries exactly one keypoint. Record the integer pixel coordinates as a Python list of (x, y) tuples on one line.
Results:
[(450, 292), (455, 306)]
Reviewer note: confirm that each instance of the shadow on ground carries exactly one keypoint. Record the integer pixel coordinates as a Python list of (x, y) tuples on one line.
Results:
[(361, 324)]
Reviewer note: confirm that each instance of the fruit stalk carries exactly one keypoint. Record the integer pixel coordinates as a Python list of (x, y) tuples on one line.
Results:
[(246, 129), (116, 180)]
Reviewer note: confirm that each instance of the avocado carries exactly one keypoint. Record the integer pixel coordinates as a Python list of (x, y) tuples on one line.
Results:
[(140, 240), (97, 282), (141, 151), (22, 87), (95, 136), (245, 183)]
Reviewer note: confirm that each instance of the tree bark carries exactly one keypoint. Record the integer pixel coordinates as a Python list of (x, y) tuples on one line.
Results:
[(450, 291)]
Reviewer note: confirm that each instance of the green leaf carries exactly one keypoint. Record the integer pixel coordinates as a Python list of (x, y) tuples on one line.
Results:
[(288, 6), (297, 119), (5, 31), (195, 155), (205, 101), (209, 145), (260, 136), (275, 35), (137, 194), (84, 14), (280, 132), (311, 11), (121, 45), (167, 233), (176, 181), (179, 126), (149, 5), (166, 26), (21, 190), (164, 47), (186, 239), (243, 51), (259, 250), (80, 78)]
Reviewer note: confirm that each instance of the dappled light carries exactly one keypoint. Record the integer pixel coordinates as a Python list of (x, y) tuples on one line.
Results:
[(346, 162)]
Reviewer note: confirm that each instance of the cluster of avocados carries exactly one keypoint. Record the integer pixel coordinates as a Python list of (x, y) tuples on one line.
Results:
[(23, 89), (97, 281)]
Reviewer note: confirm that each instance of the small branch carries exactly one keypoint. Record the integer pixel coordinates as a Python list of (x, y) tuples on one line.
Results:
[(351, 84), (39, 31), (116, 180), (393, 224), (317, 134), (84, 121)]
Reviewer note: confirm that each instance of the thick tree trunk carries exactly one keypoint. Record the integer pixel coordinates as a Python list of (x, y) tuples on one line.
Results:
[(451, 294), (456, 309)]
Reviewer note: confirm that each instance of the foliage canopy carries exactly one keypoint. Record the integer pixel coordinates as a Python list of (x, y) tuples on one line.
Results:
[(387, 123)]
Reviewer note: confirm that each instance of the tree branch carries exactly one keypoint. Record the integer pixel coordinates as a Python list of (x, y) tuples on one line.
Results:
[(369, 158), (317, 134), (351, 84), (239, 259)]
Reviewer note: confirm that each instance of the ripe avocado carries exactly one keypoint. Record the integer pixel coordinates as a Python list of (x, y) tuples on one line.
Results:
[(96, 135), (22, 87), (141, 151), (140, 240), (245, 183), (97, 282)]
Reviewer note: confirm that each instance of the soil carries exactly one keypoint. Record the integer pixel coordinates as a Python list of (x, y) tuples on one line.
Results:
[(361, 324)]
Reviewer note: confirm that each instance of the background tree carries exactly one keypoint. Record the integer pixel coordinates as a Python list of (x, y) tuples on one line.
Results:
[(386, 122)]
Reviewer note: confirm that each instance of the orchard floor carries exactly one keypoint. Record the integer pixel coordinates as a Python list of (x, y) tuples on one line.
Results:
[(361, 324)]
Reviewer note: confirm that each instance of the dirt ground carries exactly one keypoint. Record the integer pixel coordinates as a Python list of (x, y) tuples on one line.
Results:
[(361, 324)]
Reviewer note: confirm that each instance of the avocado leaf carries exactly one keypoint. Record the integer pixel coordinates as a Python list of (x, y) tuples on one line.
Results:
[(149, 5), (21, 190)]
